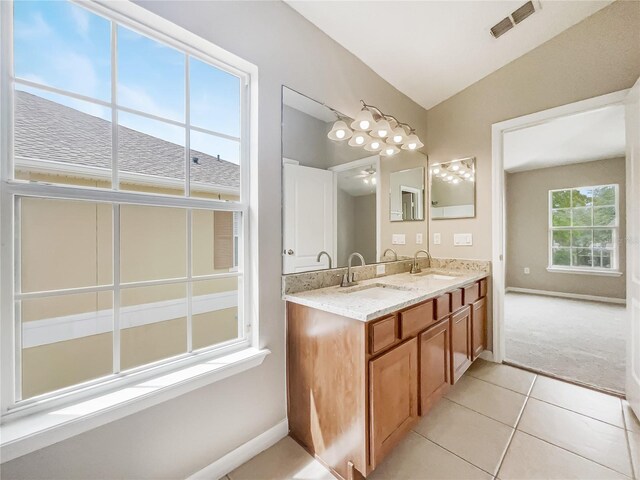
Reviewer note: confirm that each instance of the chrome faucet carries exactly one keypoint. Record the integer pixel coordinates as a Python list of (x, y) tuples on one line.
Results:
[(324, 253), (349, 279), (415, 268), (395, 254)]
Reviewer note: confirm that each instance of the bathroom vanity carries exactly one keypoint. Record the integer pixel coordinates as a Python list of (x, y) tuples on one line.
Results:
[(365, 362)]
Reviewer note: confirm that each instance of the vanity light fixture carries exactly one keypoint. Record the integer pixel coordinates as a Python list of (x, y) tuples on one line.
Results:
[(374, 130), (359, 139)]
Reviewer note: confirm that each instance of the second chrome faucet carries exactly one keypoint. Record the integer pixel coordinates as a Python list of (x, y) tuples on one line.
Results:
[(348, 279)]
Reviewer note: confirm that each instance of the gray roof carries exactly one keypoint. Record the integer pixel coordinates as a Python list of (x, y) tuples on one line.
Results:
[(47, 130)]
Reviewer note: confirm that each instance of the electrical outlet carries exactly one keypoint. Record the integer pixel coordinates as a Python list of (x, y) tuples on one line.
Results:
[(398, 239), (380, 269), (527, 270), (436, 239), (462, 239), (418, 239)]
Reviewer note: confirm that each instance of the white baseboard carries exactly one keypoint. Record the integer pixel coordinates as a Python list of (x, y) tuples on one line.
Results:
[(243, 453), (576, 296)]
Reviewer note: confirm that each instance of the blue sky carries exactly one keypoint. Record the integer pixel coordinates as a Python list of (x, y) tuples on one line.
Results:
[(62, 45)]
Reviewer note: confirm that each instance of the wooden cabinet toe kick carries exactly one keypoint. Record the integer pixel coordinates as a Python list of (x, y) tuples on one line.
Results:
[(354, 389)]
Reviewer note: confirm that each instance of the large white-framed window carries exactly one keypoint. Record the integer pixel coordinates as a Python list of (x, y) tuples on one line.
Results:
[(583, 229), (126, 201)]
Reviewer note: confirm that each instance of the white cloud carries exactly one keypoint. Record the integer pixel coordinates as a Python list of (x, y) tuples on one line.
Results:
[(138, 99), (81, 20), (36, 28), (78, 71)]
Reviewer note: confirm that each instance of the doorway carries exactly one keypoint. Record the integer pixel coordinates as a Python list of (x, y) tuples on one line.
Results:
[(559, 250)]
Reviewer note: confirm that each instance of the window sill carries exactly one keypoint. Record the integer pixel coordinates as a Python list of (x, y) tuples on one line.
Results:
[(584, 271), (33, 432)]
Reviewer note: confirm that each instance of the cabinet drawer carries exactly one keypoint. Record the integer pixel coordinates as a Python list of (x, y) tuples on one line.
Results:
[(470, 294), (415, 319), (483, 287), (442, 306), (456, 300), (382, 334)]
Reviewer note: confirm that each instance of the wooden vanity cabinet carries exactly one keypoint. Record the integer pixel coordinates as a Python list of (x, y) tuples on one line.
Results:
[(393, 398), (460, 342), (435, 364), (478, 327)]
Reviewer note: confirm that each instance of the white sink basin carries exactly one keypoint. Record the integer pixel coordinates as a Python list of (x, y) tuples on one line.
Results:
[(438, 276), (374, 291)]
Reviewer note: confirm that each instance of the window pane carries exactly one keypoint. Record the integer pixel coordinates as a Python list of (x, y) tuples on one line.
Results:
[(561, 199), (582, 216), (64, 244), (153, 322), (63, 45), (214, 311), (151, 155), (59, 139), (604, 195), (151, 76), (215, 98), (66, 340), (561, 218), (215, 167), (582, 197), (603, 238), (214, 235), (604, 216), (562, 238), (152, 242), (582, 238), (581, 257), (561, 256), (602, 257)]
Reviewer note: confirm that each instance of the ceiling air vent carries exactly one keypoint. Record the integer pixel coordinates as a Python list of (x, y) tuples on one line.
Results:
[(523, 12), (502, 27), (506, 24)]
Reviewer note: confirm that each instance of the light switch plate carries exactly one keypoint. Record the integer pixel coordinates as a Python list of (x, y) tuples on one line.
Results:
[(462, 239), (418, 239), (398, 239), (380, 269), (436, 239)]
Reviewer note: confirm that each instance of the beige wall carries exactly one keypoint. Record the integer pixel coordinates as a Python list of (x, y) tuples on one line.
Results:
[(527, 204), (597, 56), (181, 436), (365, 227)]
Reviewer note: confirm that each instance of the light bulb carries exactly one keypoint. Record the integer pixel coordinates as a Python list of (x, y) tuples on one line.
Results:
[(339, 131), (364, 120), (455, 166), (397, 135), (412, 142), (359, 139), (397, 138), (375, 144), (381, 129), (366, 180), (340, 134), (364, 124), (449, 177), (412, 146), (443, 174), (382, 133), (467, 175), (373, 180), (389, 151), (456, 180), (436, 171)]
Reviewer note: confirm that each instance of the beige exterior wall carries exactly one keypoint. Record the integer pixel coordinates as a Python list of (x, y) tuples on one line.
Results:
[(527, 205), (68, 244)]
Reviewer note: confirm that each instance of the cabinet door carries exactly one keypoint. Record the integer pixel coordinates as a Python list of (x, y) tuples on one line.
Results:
[(435, 364), (460, 342), (393, 397), (478, 327)]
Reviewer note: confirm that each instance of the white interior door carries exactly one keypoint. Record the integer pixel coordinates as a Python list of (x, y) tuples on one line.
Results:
[(633, 247), (309, 218)]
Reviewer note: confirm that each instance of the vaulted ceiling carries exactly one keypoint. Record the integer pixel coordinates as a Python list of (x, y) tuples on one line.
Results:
[(431, 50)]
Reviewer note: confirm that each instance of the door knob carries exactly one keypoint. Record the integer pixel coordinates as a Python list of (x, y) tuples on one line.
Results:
[(289, 252)]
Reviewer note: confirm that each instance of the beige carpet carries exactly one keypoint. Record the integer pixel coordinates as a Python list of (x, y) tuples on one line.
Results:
[(574, 339)]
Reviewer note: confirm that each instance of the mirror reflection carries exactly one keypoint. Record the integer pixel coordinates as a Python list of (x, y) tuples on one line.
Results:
[(406, 201), (336, 196), (453, 189)]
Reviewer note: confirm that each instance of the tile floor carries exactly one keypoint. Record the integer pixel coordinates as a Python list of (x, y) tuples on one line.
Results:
[(497, 422)]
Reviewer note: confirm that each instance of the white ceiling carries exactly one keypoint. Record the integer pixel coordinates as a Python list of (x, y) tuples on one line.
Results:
[(593, 135), (352, 182), (431, 50)]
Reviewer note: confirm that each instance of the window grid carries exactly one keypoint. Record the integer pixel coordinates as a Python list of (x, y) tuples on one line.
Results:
[(14, 190), (572, 229)]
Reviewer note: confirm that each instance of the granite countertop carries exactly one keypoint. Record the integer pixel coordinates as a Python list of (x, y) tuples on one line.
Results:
[(376, 297)]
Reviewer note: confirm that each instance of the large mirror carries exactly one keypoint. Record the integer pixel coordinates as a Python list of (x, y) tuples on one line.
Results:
[(406, 196), (453, 189), (336, 196)]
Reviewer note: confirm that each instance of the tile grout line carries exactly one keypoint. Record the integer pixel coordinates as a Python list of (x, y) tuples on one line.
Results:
[(515, 428), (501, 386), (480, 413), (579, 413), (453, 453)]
